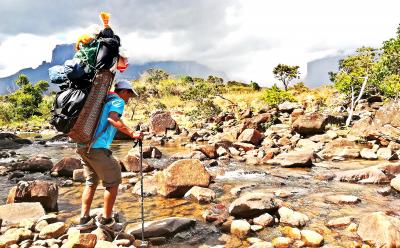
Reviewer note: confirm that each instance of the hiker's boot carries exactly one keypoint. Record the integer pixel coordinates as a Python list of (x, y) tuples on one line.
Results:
[(86, 223)]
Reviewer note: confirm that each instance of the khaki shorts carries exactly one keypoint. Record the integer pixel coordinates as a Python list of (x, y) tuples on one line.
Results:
[(100, 165)]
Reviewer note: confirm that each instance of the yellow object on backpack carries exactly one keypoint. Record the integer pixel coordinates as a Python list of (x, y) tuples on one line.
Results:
[(84, 39), (105, 17)]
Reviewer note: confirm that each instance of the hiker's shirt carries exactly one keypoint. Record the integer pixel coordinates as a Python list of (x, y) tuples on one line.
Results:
[(105, 132)]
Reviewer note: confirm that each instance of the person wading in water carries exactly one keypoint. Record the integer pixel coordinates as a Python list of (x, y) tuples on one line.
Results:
[(99, 162)]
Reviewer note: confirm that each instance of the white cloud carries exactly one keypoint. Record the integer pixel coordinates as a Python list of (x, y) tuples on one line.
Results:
[(245, 38)]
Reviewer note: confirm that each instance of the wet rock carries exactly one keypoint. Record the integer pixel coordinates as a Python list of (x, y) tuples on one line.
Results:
[(340, 222), (251, 136), (14, 213), (293, 218), (35, 191), (35, 164), (131, 163), (150, 152), (310, 124), (209, 150), (343, 199), (367, 153), (251, 205), (293, 159), (291, 232), (54, 230), (342, 148), (384, 191), (216, 213), (78, 175), (385, 154), (240, 228), (395, 183), (161, 121), (201, 195), (189, 155), (282, 242), (149, 187), (264, 220), (311, 238), (374, 174), (380, 229), (245, 146), (180, 176), (161, 228), (11, 141), (66, 166)]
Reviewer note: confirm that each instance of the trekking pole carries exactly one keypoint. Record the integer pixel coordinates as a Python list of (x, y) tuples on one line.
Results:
[(143, 243)]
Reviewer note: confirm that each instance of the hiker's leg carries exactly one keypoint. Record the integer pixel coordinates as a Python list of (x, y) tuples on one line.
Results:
[(110, 194), (87, 198)]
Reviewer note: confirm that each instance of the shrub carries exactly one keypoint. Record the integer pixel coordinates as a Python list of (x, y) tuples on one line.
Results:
[(274, 95), (254, 86)]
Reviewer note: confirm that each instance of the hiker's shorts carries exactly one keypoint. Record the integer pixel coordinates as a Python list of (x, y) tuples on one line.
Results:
[(100, 164)]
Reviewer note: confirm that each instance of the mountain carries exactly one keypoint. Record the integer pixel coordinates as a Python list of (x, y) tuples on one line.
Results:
[(317, 70), (66, 51)]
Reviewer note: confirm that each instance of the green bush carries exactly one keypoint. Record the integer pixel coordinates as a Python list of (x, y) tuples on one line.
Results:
[(274, 95), (254, 86)]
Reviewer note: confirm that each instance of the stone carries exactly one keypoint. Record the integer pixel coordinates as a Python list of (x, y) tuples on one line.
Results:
[(310, 124), (385, 191), (216, 213), (343, 199), (352, 227), (291, 232), (367, 153), (282, 242), (131, 163), (253, 204), (161, 228), (40, 225), (307, 144), (81, 240), (293, 218), (209, 150), (251, 136), (54, 230), (35, 191), (340, 147), (312, 238), (262, 244), (374, 174), (264, 220), (14, 213), (149, 187), (37, 163), (256, 121), (340, 222), (288, 107), (105, 244), (14, 235), (380, 229), (244, 146), (221, 151), (181, 176), (12, 141), (66, 166), (189, 155), (301, 158), (295, 115), (240, 228), (201, 195), (395, 183), (256, 228), (150, 152), (161, 121), (78, 175), (385, 153)]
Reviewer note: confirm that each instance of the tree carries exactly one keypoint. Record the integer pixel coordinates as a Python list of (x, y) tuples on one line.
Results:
[(274, 95), (154, 76), (254, 86), (286, 73), (215, 80), (22, 80)]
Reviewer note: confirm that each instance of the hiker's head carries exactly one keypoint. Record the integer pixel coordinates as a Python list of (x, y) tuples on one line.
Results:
[(124, 89)]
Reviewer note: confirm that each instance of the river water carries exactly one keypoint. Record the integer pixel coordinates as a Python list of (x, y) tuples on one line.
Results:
[(307, 194)]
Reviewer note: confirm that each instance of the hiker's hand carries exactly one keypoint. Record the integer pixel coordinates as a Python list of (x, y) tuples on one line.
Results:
[(137, 135)]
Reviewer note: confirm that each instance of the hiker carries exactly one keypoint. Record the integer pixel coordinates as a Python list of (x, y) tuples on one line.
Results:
[(99, 162)]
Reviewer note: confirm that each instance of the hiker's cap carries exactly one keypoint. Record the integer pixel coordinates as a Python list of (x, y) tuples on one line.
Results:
[(125, 85)]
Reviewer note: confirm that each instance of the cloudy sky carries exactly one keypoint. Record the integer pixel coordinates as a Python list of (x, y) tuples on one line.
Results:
[(243, 38)]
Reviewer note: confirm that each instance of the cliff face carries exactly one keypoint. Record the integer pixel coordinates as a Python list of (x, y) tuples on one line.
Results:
[(66, 51), (317, 70)]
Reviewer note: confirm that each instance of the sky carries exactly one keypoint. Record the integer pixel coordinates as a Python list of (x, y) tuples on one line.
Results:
[(243, 38)]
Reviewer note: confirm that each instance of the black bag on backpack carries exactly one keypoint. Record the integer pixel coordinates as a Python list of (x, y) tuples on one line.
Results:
[(108, 52), (66, 108)]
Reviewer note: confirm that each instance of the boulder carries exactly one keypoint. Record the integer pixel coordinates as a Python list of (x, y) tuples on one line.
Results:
[(240, 228), (295, 115), (36, 164), (35, 191), (216, 213), (81, 240), (251, 136), (340, 147), (310, 124), (14, 235), (78, 175), (262, 244), (339, 222), (201, 195), (66, 166), (291, 232), (149, 186), (181, 176), (161, 121), (254, 204), (189, 155), (302, 158), (385, 153), (53, 231), (245, 146), (288, 107), (395, 183), (312, 238), (264, 220), (380, 230), (373, 174), (161, 228), (367, 153), (12, 141), (256, 121), (132, 163), (150, 152), (307, 144), (343, 199), (105, 244), (282, 242), (293, 218), (14, 213), (209, 150), (388, 114)]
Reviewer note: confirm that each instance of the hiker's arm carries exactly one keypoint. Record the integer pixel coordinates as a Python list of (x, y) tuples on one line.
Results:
[(114, 120)]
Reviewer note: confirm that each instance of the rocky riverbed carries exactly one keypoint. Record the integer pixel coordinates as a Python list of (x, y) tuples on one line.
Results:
[(276, 178)]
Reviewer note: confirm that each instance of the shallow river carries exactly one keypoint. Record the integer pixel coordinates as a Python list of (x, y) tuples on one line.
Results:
[(308, 195)]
